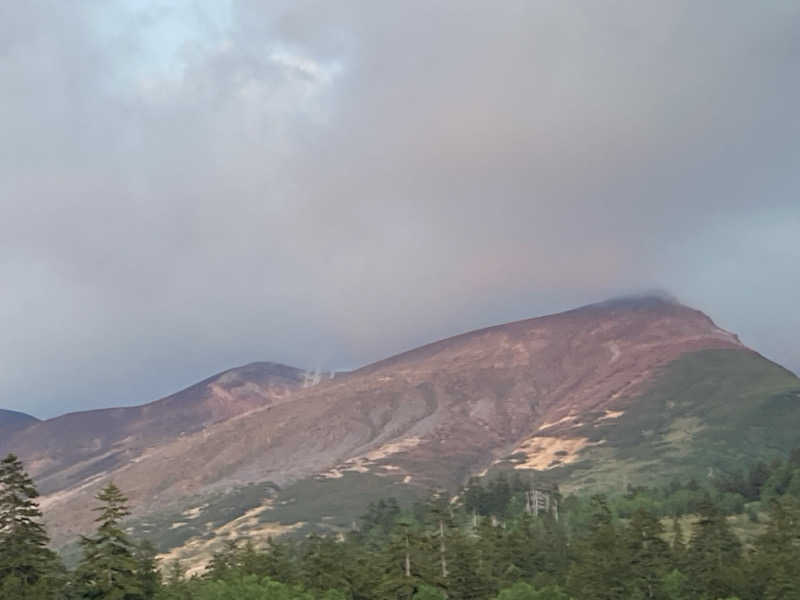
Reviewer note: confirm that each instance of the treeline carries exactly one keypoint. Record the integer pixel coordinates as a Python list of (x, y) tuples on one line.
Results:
[(744, 491), (113, 567), (491, 541)]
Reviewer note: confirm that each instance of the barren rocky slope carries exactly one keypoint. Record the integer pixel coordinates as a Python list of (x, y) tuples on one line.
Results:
[(12, 421), (76, 447), (623, 391)]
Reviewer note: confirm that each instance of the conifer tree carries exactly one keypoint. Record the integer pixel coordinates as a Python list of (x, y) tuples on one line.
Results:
[(777, 554), (402, 570), (466, 579), (500, 553), (678, 544), (278, 563), (27, 566), (499, 495), (649, 555), (109, 569), (224, 562), (147, 570), (714, 555), (439, 518), (600, 567), (176, 586), (323, 568), (475, 497)]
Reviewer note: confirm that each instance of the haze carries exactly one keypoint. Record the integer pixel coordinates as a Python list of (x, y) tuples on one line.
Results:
[(189, 186)]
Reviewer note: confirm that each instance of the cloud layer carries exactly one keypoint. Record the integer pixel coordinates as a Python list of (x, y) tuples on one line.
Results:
[(190, 186)]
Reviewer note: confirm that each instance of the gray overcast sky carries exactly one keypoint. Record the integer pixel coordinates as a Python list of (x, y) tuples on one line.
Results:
[(188, 186)]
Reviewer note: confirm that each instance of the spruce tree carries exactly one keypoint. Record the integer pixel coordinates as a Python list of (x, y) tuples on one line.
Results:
[(323, 568), (777, 554), (110, 569), (601, 564), (27, 566), (714, 556), (402, 570), (466, 578), (147, 570), (650, 555), (500, 552), (277, 562), (475, 497), (224, 563), (439, 523)]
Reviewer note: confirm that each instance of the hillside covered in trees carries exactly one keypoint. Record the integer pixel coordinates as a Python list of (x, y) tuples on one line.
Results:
[(500, 538)]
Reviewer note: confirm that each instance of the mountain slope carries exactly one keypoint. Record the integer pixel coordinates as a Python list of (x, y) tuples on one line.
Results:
[(621, 392), (12, 421), (707, 412), (76, 447)]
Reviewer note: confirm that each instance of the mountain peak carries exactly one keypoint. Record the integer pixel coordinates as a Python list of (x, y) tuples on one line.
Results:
[(647, 299), (12, 421)]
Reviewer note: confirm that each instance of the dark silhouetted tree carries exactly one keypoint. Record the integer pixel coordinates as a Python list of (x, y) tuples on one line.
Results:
[(28, 568), (110, 568)]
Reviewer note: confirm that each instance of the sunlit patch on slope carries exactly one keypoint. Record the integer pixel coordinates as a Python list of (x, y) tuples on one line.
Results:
[(364, 463), (195, 553), (542, 452), (558, 422), (611, 414)]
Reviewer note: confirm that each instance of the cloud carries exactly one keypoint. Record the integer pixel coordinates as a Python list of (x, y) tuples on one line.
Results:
[(189, 186)]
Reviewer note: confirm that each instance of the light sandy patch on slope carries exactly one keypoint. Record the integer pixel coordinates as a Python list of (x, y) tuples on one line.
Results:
[(392, 448), (611, 414), (554, 423), (361, 464), (542, 452), (615, 351), (197, 551), (193, 513)]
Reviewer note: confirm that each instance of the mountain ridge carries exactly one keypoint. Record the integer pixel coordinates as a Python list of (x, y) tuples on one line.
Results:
[(101, 431), (12, 421), (566, 396)]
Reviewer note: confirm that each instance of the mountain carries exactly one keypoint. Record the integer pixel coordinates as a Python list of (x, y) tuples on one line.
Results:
[(12, 421), (637, 390), (76, 447)]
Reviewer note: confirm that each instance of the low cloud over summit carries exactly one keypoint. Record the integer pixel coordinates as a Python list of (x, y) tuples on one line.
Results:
[(189, 186)]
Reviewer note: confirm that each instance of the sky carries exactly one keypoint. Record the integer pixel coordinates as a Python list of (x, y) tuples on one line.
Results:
[(188, 186)]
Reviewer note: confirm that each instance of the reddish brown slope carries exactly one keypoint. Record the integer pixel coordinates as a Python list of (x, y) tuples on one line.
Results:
[(70, 449), (435, 414)]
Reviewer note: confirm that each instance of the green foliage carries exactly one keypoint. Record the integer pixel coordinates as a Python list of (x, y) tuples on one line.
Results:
[(649, 556), (600, 567), (777, 554), (322, 567), (249, 587), (674, 586), (593, 549), (112, 567), (466, 578), (28, 568), (715, 555), (707, 412), (524, 591)]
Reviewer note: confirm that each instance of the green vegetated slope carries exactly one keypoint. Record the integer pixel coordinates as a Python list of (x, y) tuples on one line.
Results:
[(705, 413)]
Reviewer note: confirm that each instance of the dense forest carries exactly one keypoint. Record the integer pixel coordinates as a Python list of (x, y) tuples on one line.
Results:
[(501, 537)]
